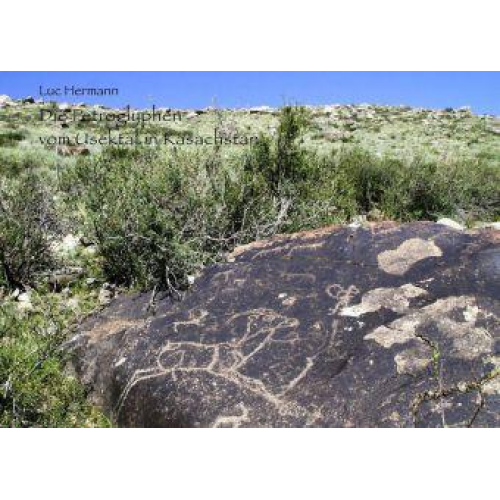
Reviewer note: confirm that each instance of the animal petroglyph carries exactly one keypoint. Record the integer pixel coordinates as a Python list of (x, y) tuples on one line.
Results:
[(257, 331), (325, 329)]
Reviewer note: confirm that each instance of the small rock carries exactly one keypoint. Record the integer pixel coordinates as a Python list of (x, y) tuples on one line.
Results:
[(24, 302), (67, 246), (358, 221), (5, 98), (105, 297)]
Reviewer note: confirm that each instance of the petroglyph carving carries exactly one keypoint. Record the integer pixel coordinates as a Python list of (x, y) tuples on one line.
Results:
[(322, 329), (259, 330)]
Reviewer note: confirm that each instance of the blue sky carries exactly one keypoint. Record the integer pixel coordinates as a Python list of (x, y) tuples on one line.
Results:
[(480, 90)]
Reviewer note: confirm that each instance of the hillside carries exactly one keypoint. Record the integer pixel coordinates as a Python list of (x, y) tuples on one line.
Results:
[(400, 131), (96, 203)]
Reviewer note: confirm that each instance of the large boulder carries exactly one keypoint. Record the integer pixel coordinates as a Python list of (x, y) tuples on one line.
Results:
[(384, 325)]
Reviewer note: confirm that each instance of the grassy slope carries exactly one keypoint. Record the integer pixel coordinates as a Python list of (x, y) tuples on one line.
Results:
[(400, 131)]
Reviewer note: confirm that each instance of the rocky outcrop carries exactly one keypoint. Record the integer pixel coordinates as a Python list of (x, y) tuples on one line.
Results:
[(494, 126), (5, 101), (377, 326)]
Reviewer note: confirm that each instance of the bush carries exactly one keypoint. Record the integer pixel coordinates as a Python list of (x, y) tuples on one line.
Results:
[(418, 189), (11, 138), (155, 219), (17, 161), (34, 388), (26, 224), (282, 162), (158, 217)]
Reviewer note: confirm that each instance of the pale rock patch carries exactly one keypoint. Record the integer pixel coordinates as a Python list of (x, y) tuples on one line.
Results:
[(5, 100), (451, 224), (400, 333), (413, 360), (401, 259), (396, 299), (24, 302), (492, 387), (67, 246)]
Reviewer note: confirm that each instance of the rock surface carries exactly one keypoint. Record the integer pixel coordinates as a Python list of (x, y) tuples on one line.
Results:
[(451, 223), (388, 325)]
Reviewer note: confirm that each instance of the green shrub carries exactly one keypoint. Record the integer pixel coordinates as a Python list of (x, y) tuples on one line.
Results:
[(26, 224), (34, 388), (326, 196), (11, 138), (127, 207), (158, 216), (282, 161), (155, 218), (16, 161), (419, 189), (367, 177)]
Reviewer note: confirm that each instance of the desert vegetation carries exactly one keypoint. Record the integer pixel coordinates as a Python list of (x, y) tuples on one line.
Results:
[(151, 218)]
